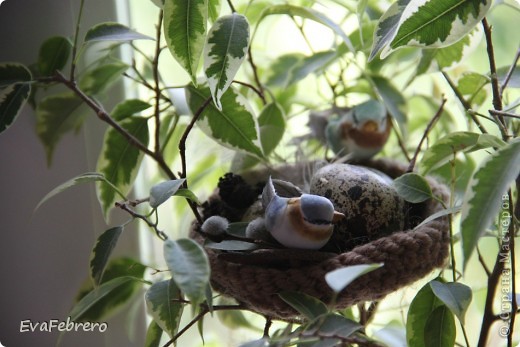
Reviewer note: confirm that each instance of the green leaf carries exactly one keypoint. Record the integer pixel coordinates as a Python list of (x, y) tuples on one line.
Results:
[(111, 31), (231, 245), (13, 92), (161, 192), (460, 141), (224, 52), (439, 214), (485, 192), (308, 306), (101, 252), (426, 23), (54, 54), (120, 160), (441, 330), (311, 64), (153, 335), (421, 307), (83, 178), (456, 296), (233, 318), (514, 81), (234, 126), (57, 115), (115, 299), (393, 99), (97, 80), (213, 9), (185, 32), (413, 188), (333, 325), (162, 302), (472, 84), (99, 293), (128, 108), (280, 69), (189, 267), (340, 278), (188, 194), (307, 13), (272, 126)]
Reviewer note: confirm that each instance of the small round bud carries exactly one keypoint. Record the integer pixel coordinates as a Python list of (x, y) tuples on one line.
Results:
[(256, 230), (215, 225)]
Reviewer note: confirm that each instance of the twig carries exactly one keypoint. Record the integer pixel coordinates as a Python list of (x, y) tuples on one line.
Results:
[(124, 206), (401, 143), (504, 114), (253, 88), (483, 263), (267, 326), (157, 89), (255, 75), (182, 141), (230, 4), (425, 134), (464, 103), (509, 72), (497, 100), (75, 44)]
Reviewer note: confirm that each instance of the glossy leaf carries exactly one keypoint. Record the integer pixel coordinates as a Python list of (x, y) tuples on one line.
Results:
[(120, 160), (456, 296), (441, 330), (111, 31), (421, 307), (13, 92), (57, 115), (54, 54), (128, 108), (100, 78), (185, 32), (224, 52), (96, 295), (461, 141), (114, 300), (393, 99), (308, 306), (101, 252), (340, 278), (234, 126), (161, 192), (189, 267), (162, 303), (485, 193), (307, 13), (426, 23), (333, 325), (272, 126), (153, 335), (413, 188), (231, 245), (83, 178), (439, 214)]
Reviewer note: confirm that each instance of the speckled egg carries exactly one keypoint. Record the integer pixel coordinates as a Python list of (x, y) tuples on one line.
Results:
[(372, 207)]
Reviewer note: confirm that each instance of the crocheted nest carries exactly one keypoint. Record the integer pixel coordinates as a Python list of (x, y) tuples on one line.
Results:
[(256, 278)]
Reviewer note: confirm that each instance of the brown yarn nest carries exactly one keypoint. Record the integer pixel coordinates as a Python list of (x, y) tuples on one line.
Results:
[(256, 278)]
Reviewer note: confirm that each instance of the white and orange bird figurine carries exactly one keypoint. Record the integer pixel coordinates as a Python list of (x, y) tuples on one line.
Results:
[(361, 132), (304, 222)]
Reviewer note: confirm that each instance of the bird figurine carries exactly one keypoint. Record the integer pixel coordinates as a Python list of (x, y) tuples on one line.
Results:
[(360, 132), (304, 222)]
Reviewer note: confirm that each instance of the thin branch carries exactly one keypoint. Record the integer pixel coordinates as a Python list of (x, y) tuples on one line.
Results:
[(157, 88), (510, 72), (267, 326), (253, 88), (75, 44), (260, 89), (124, 206), (231, 6), (182, 141), (464, 103), (504, 114), (425, 134), (483, 262), (401, 143), (497, 100)]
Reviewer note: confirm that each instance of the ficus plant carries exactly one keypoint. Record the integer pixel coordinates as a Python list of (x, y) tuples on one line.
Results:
[(448, 119)]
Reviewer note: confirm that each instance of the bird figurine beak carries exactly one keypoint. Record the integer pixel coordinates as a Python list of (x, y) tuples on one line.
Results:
[(361, 132), (304, 222)]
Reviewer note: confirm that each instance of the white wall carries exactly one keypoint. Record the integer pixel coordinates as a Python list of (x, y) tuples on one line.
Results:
[(44, 256)]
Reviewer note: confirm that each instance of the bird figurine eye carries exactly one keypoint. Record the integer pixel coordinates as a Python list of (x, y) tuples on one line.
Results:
[(304, 222)]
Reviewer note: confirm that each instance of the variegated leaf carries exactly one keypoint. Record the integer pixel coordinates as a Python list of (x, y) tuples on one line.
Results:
[(226, 48), (185, 32), (235, 126), (13, 92), (426, 23), (485, 194)]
